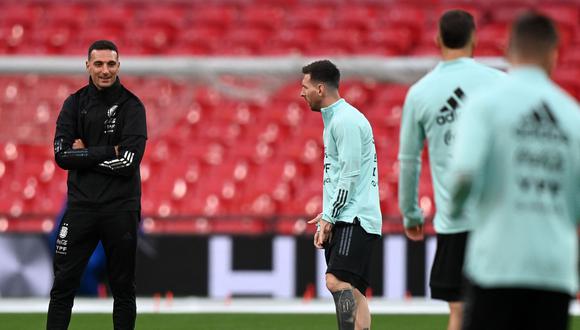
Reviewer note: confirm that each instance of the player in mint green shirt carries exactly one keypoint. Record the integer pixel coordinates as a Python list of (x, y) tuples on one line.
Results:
[(432, 108), (350, 223), (517, 154)]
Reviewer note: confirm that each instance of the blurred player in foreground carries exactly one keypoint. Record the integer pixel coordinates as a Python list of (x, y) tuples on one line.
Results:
[(350, 225), (517, 154), (431, 110)]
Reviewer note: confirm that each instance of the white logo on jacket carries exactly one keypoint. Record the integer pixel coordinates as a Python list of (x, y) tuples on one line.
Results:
[(63, 230), (112, 111), (111, 120)]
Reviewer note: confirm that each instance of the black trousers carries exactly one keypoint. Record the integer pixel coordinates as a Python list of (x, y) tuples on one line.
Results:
[(515, 309), (78, 236)]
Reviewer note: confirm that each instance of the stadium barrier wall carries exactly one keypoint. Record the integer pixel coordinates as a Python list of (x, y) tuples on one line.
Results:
[(222, 266)]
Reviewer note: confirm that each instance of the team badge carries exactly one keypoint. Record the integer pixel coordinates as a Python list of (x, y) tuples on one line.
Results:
[(63, 231)]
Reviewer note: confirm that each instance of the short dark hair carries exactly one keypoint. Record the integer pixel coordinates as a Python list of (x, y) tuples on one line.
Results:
[(533, 34), (102, 45), (323, 71), (455, 28)]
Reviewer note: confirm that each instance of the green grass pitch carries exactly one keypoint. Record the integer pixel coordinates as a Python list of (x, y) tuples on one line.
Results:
[(233, 321)]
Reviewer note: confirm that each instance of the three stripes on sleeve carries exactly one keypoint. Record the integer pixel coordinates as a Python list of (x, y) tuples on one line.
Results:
[(122, 162), (340, 202)]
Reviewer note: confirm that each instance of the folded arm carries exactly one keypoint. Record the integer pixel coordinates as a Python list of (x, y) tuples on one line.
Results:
[(66, 134)]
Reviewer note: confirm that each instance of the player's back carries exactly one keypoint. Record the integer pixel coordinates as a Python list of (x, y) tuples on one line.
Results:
[(434, 104), (527, 200)]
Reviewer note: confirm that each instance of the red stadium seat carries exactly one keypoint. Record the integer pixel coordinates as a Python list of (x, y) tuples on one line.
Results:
[(399, 40), (426, 43), (25, 15), (102, 31), (567, 78), (290, 40), (358, 94), (258, 203), (214, 16), (492, 40), (359, 17), (150, 39), (244, 41), (199, 37), (118, 16), (13, 38), (507, 13), (326, 49), (343, 37), (571, 56), (390, 93), (165, 16), (310, 17), (70, 16), (264, 17), (411, 17), (55, 38)]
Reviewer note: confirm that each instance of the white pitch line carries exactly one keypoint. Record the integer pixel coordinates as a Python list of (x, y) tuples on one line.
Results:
[(236, 305)]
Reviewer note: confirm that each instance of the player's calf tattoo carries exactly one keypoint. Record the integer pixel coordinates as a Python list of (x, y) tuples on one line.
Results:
[(345, 309)]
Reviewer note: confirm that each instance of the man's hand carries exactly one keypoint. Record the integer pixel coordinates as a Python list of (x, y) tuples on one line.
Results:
[(415, 233), (78, 144), (324, 232), (117, 151)]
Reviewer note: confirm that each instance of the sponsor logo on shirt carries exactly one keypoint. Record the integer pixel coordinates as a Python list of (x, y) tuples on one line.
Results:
[(541, 158), (540, 123), (448, 113)]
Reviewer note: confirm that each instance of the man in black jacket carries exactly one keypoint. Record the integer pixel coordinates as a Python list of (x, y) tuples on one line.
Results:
[(100, 139)]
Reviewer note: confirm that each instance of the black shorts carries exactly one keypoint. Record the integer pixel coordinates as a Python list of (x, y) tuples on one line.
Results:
[(447, 279), (348, 254), (515, 309)]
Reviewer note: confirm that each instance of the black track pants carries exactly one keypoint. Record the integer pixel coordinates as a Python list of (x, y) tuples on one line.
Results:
[(79, 233)]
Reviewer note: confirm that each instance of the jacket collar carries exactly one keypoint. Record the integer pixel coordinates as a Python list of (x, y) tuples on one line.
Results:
[(454, 62), (329, 111), (529, 73), (109, 95)]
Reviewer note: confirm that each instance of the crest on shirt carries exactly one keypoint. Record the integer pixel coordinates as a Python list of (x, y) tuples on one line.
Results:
[(111, 121), (112, 111), (63, 231)]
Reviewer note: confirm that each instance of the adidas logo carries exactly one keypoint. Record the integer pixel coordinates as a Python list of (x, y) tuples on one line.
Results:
[(541, 123), (447, 112)]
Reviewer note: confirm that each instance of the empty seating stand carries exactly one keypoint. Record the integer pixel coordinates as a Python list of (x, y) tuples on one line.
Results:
[(258, 27), (210, 155)]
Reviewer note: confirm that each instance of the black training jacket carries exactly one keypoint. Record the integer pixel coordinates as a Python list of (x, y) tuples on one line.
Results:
[(102, 119)]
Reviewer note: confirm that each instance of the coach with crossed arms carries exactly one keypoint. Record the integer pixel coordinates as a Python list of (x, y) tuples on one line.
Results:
[(100, 139)]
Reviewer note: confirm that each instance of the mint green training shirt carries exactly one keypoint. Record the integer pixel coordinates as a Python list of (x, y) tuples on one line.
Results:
[(351, 186), (520, 142), (431, 110)]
